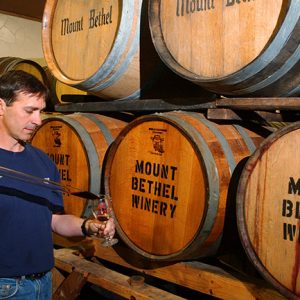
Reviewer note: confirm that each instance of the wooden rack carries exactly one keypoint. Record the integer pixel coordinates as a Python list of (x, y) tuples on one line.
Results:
[(101, 266), (259, 109), (73, 103)]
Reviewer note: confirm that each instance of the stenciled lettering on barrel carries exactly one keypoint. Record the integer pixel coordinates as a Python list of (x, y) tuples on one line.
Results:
[(62, 160), (291, 211), (153, 185), (95, 19), (185, 7)]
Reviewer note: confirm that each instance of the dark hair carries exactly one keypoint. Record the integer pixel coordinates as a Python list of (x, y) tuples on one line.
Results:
[(15, 82)]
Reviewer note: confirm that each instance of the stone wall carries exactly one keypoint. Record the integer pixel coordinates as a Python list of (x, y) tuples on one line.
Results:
[(21, 38)]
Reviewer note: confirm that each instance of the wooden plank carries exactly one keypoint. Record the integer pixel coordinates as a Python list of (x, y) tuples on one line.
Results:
[(108, 279), (71, 287), (198, 276), (292, 103), (89, 103), (242, 115), (30, 9), (57, 279), (150, 105)]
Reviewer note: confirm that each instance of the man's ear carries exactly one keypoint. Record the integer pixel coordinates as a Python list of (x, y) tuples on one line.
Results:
[(2, 106)]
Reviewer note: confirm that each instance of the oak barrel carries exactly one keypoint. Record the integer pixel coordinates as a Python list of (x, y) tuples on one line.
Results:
[(10, 63), (234, 48), (105, 48), (268, 209), (58, 88), (77, 143), (168, 176)]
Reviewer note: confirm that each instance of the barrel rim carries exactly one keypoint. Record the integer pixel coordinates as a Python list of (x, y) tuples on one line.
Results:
[(112, 151), (284, 36), (72, 123), (109, 63), (14, 61), (241, 190), (10, 62), (132, 40)]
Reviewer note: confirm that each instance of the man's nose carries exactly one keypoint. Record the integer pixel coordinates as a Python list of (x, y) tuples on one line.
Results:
[(37, 119)]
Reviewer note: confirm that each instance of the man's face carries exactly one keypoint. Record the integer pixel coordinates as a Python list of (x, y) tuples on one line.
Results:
[(21, 118)]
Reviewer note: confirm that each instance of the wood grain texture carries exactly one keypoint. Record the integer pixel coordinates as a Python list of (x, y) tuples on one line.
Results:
[(195, 275), (10, 63), (108, 279), (77, 143), (230, 47), (268, 209), (168, 176), (58, 88), (105, 48)]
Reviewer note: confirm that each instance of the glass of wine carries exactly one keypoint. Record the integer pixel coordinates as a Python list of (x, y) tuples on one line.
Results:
[(103, 213)]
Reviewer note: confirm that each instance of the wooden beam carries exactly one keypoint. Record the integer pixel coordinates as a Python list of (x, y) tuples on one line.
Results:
[(71, 287), (243, 115), (29, 9), (57, 279), (288, 103), (89, 103), (109, 280), (197, 276)]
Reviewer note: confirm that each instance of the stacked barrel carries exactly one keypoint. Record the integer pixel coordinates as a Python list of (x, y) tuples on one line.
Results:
[(234, 48), (105, 48), (77, 143), (268, 209), (169, 174)]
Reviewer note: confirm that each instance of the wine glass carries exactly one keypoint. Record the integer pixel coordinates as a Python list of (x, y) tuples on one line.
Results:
[(103, 213)]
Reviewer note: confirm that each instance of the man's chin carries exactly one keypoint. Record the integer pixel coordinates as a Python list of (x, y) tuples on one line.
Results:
[(25, 139)]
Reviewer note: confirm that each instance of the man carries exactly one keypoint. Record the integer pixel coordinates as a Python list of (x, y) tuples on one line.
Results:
[(29, 212)]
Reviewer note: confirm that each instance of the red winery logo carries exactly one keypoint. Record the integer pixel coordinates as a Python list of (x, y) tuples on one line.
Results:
[(157, 140), (157, 143), (56, 136), (61, 160)]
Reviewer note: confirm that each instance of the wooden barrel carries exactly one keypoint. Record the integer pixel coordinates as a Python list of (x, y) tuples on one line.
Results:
[(245, 48), (58, 88), (268, 209), (168, 176), (16, 63), (27, 65), (105, 48), (77, 143)]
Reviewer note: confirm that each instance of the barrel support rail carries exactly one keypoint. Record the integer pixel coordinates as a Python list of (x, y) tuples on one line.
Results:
[(83, 103), (258, 109), (194, 275), (82, 271)]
